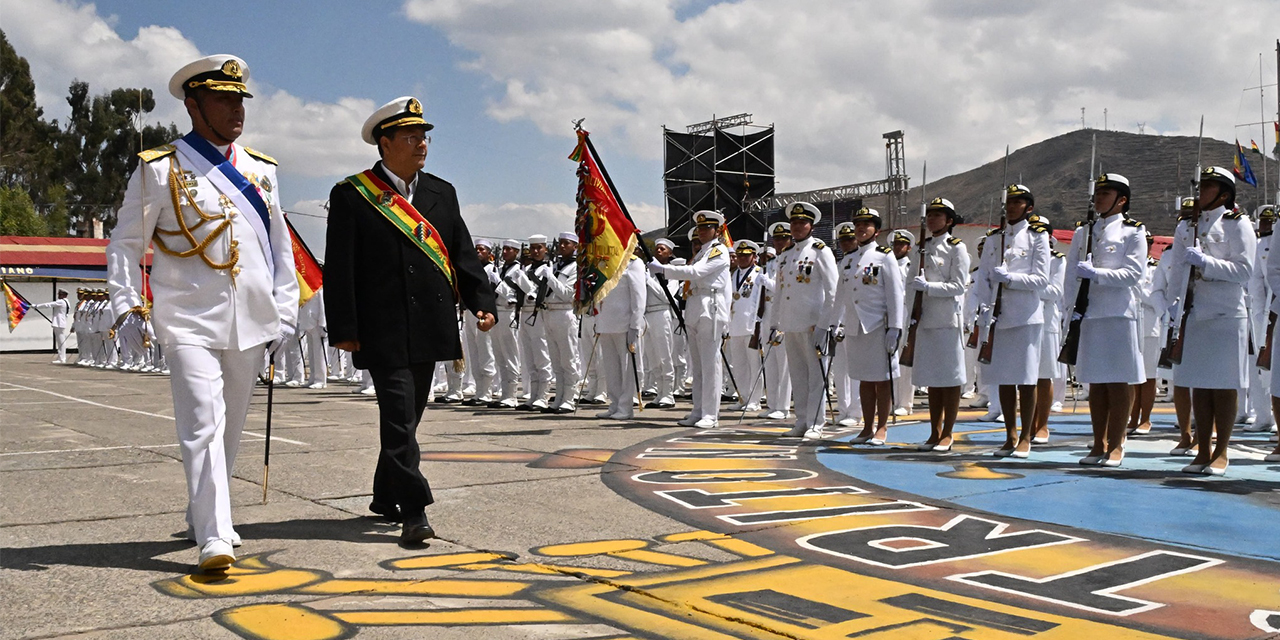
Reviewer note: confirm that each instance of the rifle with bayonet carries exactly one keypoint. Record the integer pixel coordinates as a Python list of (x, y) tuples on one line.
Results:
[(908, 356), (1071, 343), (984, 354), (1175, 341)]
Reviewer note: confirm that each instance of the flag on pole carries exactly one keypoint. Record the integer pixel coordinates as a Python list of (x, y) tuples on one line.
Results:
[(1242, 169), (310, 275), (1254, 145), (15, 305), (606, 236)]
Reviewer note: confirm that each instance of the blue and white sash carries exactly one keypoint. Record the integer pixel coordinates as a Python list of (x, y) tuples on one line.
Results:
[(205, 160)]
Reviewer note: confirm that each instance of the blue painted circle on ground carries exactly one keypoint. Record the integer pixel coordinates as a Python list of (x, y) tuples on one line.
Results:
[(1147, 497)]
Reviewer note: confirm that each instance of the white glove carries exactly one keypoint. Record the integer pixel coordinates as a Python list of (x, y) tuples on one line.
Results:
[(918, 283), (891, 336), (1173, 313), (493, 278), (1195, 257), (1002, 275), (543, 272), (822, 341), (775, 336), (839, 334), (1084, 269), (633, 339), (656, 268), (286, 334)]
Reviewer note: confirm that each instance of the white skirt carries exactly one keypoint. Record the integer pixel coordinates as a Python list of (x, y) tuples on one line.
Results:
[(868, 359), (1151, 346), (1109, 352), (1015, 356), (939, 358), (1215, 355), (1050, 345)]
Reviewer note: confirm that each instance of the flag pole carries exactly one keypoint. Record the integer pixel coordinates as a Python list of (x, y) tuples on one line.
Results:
[(662, 280)]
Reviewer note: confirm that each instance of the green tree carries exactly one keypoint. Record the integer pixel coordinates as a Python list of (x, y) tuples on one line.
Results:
[(26, 140), (18, 215)]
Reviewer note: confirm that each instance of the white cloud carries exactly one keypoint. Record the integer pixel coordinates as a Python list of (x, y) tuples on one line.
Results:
[(961, 78), (520, 220), (64, 41)]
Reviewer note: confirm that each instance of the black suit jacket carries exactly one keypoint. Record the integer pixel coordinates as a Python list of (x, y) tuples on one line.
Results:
[(384, 291)]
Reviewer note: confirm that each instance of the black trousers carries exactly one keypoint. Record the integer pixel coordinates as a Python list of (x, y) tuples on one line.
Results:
[(402, 395)]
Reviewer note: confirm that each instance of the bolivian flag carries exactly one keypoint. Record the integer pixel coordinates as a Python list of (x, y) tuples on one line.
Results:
[(15, 305), (606, 235), (310, 275)]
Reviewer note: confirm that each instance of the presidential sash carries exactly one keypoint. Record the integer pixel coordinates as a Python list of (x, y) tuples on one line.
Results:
[(401, 214), (205, 159)]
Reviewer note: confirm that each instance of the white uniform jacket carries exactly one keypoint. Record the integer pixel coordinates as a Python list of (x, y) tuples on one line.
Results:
[(869, 292), (708, 276), (805, 286), (1228, 242), (1120, 257), (195, 304), (561, 287), (623, 307), (59, 308), (1052, 296), (1026, 257), (749, 286), (1152, 299), (946, 268), (1259, 292), (507, 294)]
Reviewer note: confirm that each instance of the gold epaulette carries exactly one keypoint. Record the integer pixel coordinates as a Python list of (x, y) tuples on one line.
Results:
[(1151, 262), (1130, 222), (1038, 228), (1236, 215), (954, 241), (817, 244), (715, 253), (1079, 223), (1057, 254), (992, 231), (884, 249), (261, 156), (151, 155)]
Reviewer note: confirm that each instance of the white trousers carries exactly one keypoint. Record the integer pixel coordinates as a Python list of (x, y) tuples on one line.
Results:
[(211, 393), (506, 352), (562, 346), (745, 362), (705, 366), (60, 341), (314, 341), (806, 379), (659, 343), (777, 378), (480, 358), (590, 370), (848, 393), (536, 360), (619, 379)]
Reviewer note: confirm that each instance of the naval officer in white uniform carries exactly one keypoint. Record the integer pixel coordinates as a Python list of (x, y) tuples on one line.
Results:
[(222, 291)]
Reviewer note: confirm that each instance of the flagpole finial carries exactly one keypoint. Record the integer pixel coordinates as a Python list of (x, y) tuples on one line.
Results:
[(577, 124)]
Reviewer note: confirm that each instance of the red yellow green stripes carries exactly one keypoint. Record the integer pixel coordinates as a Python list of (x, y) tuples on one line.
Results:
[(397, 210)]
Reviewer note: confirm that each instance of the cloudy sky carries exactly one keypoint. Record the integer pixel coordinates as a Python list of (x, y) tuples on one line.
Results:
[(503, 79)]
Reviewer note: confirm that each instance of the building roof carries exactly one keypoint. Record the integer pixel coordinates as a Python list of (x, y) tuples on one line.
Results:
[(40, 257)]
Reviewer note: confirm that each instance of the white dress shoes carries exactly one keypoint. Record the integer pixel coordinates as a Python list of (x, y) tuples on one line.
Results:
[(216, 555), (813, 433), (707, 422)]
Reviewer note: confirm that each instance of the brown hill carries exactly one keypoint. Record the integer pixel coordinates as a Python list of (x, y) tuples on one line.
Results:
[(1057, 171)]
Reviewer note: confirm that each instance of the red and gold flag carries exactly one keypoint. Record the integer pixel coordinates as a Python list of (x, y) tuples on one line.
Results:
[(607, 237), (310, 275), (15, 305)]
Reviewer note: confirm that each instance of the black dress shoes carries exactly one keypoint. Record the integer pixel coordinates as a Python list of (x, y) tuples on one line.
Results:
[(390, 512), (416, 529)]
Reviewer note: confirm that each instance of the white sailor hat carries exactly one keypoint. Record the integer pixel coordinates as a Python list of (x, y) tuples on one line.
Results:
[(1219, 174), (1187, 203), (770, 251), (220, 72), (941, 204), (845, 230), (902, 235), (1266, 212), (678, 262), (570, 236), (708, 218), (1020, 191), (867, 214), (746, 247), (481, 242), (780, 230), (1113, 181), (693, 233), (804, 210), (511, 244), (664, 242), (537, 238), (402, 112)]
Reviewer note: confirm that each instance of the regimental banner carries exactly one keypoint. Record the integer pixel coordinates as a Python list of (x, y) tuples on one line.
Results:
[(607, 237), (310, 274), (15, 305)]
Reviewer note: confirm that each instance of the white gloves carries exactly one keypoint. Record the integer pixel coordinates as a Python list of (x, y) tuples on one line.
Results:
[(633, 340), (1195, 257), (1002, 275), (543, 272), (891, 336), (775, 336), (286, 334), (656, 268), (918, 283), (839, 334), (1084, 269), (822, 340)]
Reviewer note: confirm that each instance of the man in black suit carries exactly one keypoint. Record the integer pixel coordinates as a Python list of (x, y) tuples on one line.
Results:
[(398, 259)]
